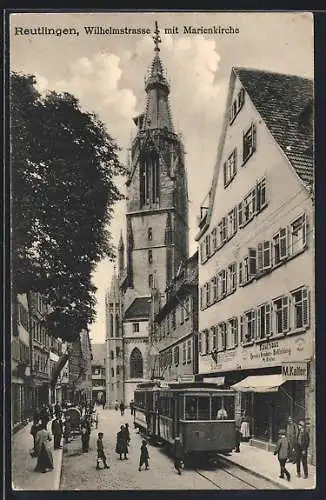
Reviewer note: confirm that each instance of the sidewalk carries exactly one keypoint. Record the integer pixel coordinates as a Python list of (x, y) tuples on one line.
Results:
[(264, 464), (23, 465)]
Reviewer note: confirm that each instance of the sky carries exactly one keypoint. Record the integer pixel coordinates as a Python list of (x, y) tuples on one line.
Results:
[(106, 73)]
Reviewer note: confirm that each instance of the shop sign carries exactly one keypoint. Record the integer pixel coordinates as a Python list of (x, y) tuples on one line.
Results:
[(297, 370), (215, 380), (186, 378)]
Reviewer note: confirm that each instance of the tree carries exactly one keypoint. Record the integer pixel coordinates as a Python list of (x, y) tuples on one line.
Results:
[(64, 166)]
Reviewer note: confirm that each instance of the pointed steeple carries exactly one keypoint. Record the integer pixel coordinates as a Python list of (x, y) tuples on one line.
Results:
[(113, 294), (121, 254), (157, 114)]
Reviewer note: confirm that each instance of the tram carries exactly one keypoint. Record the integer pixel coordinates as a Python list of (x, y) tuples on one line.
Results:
[(191, 411)]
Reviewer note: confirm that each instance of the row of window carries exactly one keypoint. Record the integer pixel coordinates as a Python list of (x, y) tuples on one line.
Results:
[(178, 316), (288, 313), (40, 362), (171, 357), (252, 204), (287, 242)]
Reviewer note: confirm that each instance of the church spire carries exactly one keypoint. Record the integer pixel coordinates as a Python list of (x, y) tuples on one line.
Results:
[(157, 114), (113, 294)]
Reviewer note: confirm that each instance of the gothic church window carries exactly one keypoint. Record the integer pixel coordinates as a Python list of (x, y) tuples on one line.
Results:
[(136, 364), (149, 179)]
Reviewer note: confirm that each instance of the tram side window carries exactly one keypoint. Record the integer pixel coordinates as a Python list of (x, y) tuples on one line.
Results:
[(229, 406), (140, 399), (203, 408), (191, 408), (222, 408), (171, 408), (217, 405)]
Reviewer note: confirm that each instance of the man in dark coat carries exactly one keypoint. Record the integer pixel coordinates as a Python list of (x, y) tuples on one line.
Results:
[(85, 434), (122, 408), (144, 456), (57, 431), (57, 410), (127, 433), (132, 405), (282, 452), (237, 434), (302, 444), (291, 434), (100, 452), (122, 445), (44, 416), (178, 454)]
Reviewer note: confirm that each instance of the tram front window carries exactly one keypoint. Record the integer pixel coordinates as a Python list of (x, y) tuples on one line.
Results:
[(197, 408)]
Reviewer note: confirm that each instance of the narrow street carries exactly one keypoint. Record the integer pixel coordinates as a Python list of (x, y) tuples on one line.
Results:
[(79, 473)]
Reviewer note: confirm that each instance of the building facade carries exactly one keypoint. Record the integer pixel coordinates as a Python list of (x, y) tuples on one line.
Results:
[(98, 373), (256, 239), (176, 326), (80, 369), (156, 225)]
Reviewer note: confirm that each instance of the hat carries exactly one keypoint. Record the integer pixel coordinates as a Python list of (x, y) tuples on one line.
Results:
[(281, 431), (301, 422)]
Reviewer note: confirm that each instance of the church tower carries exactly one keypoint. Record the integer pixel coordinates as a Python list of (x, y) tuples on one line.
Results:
[(157, 207), (114, 344)]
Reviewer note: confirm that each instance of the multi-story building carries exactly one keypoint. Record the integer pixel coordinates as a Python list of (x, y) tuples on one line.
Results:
[(256, 238), (176, 326), (156, 226), (80, 369), (98, 373)]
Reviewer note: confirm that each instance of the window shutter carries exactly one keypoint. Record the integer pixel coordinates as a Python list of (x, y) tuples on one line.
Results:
[(304, 230), (305, 307), (268, 322), (240, 213), (283, 243), (225, 173), (242, 326), (285, 314), (235, 219), (258, 330), (235, 331), (240, 273), (259, 257), (254, 137), (254, 325), (267, 253)]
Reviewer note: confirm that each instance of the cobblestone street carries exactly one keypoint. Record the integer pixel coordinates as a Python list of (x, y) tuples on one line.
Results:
[(79, 472)]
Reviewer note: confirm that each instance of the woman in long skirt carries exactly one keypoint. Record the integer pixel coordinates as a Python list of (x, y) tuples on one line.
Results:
[(44, 454)]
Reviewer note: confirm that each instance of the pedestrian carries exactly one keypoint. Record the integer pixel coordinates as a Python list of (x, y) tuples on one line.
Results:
[(57, 431), (44, 415), (44, 455), (116, 405), (100, 452), (57, 410), (291, 434), (132, 406), (122, 408), (302, 444), (178, 454), (222, 414), (67, 430), (144, 455), (245, 427), (127, 433), (237, 434), (282, 451), (85, 434), (103, 404), (96, 419), (36, 426), (122, 444)]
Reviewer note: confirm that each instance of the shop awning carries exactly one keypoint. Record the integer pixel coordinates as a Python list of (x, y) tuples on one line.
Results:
[(260, 383)]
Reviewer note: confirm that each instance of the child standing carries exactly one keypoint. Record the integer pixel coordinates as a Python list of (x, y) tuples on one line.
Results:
[(282, 451), (144, 456), (100, 452)]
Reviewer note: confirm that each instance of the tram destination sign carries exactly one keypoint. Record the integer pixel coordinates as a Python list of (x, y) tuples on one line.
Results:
[(297, 370)]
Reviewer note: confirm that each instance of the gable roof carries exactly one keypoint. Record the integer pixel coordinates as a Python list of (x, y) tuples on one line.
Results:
[(285, 102), (99, 352), (139, 309), (281, 100)]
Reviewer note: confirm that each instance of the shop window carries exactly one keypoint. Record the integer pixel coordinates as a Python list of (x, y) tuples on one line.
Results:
[(281, 315), (300, 301), (263, 321), (249, 143), (230, 168), (298, 235), (280, 247)]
